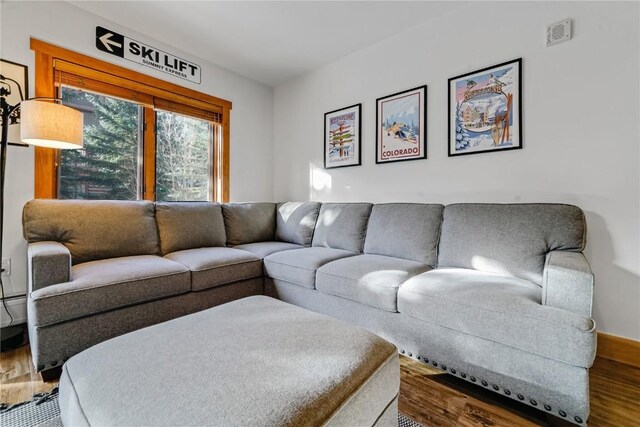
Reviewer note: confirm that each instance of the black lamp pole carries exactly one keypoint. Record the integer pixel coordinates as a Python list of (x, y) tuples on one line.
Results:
[(11, 336), (3, 162)]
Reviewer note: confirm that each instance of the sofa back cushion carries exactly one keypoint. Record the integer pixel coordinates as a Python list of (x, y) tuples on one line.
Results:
[(510, 239), (189, 225), (249, 222), (405, 230), (295, 222), (93, 229), (342, 226)]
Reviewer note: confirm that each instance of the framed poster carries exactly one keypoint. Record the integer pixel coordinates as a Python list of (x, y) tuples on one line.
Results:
[(485, 110), (401, 121), (342, 137), (14, 89)]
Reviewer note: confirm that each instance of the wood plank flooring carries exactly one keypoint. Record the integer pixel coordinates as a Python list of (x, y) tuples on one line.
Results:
[(18, 378), (426, 395), (436, 399)]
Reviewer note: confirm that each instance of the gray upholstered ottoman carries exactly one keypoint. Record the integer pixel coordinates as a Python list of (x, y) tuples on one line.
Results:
[(252, 362)]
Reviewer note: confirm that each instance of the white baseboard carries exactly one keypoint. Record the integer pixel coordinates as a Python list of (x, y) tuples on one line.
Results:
[(18, 309)]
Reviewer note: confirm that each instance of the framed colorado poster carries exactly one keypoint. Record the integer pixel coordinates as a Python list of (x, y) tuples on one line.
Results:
[(342, 137), (401, 126), (485, 110)]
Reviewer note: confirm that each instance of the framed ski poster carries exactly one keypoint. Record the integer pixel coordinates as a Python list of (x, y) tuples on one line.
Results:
[(342, 137), (401, 126), (485, 110)]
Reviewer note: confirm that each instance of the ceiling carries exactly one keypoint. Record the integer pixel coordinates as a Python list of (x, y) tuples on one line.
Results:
[(268, 41)]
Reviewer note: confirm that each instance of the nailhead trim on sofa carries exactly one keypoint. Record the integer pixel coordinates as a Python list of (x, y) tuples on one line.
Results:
[(519, 397)]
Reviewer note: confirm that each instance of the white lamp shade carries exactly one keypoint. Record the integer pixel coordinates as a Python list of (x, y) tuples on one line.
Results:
[(49, 124)]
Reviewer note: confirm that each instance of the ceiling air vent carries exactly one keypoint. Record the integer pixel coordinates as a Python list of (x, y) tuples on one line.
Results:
[(558, 32)]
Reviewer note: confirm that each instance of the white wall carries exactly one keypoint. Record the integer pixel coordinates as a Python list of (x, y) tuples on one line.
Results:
[(72, 28), (580, 120)]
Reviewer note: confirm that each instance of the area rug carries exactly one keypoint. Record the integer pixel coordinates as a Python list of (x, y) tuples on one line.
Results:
[(43, 411)]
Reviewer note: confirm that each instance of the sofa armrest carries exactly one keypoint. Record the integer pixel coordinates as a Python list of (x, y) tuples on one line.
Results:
[(567, 282), (49, 263)]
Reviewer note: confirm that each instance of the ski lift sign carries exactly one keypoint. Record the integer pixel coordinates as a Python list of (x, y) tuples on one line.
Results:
[(124, 47), (401, 125), (485, 110)]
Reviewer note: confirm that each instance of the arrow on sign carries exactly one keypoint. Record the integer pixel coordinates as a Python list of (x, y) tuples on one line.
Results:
[(106, 41), (110, 41)]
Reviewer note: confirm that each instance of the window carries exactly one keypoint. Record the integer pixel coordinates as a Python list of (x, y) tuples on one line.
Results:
[(183, 158), (111, 164), (108, 166), (144, 138)]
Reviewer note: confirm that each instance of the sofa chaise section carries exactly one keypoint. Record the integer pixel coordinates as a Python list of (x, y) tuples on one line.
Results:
[(513, 273), (555, 387), (495, 264), (499, 308), (507, 306)]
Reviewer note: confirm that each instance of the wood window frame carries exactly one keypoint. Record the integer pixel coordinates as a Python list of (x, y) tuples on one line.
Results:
[(55, 65)]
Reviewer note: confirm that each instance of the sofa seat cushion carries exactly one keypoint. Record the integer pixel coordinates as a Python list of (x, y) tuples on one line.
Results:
[(264, 249), (299, 266), (212, 267), (499, 308), (104, 285), (369, 279)]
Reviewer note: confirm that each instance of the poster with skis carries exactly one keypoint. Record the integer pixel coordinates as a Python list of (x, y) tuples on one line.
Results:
[(401, 125), (342, 137), (485, 110)]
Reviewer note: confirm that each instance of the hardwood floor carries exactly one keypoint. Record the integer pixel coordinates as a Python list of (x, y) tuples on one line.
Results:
[(426, 395), (18, 378), (436, 399)]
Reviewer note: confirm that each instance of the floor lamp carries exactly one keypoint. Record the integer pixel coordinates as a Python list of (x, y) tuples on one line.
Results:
[(44, 122)]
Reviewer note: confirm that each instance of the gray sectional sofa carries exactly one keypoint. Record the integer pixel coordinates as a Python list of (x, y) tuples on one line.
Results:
[(497, 295)]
